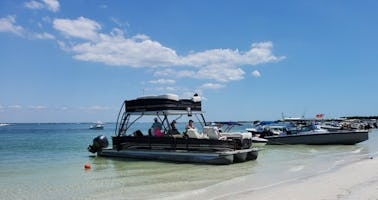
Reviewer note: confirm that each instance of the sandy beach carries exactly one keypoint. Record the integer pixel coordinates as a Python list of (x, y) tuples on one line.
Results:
[(354, 181)]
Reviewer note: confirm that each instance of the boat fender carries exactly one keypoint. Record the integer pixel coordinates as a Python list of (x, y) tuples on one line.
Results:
[(99, 142)]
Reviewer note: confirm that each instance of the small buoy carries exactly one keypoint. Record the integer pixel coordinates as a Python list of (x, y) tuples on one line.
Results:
[(87, 166)]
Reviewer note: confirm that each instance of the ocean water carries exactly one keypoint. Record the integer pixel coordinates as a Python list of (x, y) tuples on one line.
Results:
[(46, 161)]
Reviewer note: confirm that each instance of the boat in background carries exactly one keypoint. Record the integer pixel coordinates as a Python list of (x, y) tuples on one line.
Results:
[(4, 124), (226, 127), (323, 137), (311, 134), (97, 126), (206, 146)]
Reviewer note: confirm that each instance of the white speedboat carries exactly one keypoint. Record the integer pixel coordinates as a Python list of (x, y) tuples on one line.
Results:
[(4, 124), (343, 137), (315, 135), (226, 130), (97, 126), (307, 131), (205, 146)]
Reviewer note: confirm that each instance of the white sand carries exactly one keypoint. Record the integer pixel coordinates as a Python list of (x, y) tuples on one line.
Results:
[(357, 181)]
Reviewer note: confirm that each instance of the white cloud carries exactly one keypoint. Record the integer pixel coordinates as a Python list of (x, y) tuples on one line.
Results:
[(119, 23), (211, 86), (256, 74), (52, 5), (222, 74), (96, 108), (15, 106), (175, 73), (115, 49), (38, 107), (171, 88), (81, 28), (163, 81), (34, 5), (259, 53), (46, 36), (8, 24)]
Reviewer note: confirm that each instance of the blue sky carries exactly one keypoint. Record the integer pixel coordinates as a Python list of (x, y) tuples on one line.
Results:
[(76, 61)]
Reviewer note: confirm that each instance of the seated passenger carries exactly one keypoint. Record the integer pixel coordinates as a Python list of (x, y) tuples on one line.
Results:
[(156, 128), (174, 130), (190, 125), (158, 133)]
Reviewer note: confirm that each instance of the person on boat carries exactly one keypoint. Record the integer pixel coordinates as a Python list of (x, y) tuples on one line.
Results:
[(190, 125), (156, 128), (174, 130)]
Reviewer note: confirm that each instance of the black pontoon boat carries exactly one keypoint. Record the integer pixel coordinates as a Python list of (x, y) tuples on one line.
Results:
[(193, 146)]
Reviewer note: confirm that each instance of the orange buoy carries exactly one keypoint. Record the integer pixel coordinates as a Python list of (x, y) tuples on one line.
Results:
[(87, 166)]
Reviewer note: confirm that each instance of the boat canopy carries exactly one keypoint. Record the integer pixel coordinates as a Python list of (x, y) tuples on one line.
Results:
[(167, 104), (165, 112), (160, 106)]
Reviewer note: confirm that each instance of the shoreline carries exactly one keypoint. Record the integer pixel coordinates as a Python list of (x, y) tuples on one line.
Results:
[(357, 180)]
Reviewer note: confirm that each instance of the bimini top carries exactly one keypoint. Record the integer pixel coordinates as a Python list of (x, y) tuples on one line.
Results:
[(168, 103)]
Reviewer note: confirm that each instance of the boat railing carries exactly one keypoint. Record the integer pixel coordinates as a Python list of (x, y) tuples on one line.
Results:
[(118, 122)]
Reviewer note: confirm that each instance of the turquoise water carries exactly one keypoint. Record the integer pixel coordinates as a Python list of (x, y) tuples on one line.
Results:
[(46, 161)]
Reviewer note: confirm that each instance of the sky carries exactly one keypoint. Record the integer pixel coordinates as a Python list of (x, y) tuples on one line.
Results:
[(77, 61)]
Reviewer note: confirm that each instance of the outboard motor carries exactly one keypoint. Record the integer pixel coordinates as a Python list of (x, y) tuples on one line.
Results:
[(99, 142)]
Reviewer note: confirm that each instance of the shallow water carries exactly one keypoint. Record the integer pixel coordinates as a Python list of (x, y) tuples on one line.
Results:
[(46, 161)]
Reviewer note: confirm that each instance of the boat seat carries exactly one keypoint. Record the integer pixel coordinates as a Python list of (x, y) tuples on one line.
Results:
[(240, 135), (246, 135), (213, 133), (193, 133)]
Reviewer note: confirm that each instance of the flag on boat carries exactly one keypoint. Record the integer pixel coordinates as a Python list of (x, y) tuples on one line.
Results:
[(320, 115)]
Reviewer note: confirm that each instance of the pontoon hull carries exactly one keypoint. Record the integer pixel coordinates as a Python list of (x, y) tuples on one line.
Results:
[(129, 142), (221, 157), (182, 149)]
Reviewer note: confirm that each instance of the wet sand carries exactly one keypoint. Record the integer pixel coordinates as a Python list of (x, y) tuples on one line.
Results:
[(354, 181)]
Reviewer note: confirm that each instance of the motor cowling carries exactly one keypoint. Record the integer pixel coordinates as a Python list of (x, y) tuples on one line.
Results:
[(99, 142)]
